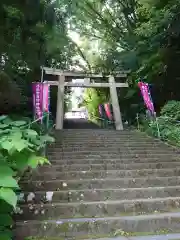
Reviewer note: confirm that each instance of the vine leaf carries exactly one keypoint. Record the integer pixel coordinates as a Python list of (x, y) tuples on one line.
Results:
[(8, 195), (8, 181), (5, 170), (31, 133), (7, 145), (6, 220), (20, 145), (34, 161), (18, 123), (3, 117), (5, 234), (47, 138)]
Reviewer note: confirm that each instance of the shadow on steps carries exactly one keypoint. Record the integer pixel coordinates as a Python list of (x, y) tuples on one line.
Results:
[(79, 124)]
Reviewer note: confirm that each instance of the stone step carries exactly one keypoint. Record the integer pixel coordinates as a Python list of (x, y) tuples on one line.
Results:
[(115, 147), (60, 155), (99, 132), (79, 227), (78, 175), (123, 142), (168, 236), (107, 208), (128, 144), (125, 160), (116, 143), (102, 135), (122, 236), (106, 139), (102, 194), (107, 136), (122, 152), (57, 185), (111, 166)]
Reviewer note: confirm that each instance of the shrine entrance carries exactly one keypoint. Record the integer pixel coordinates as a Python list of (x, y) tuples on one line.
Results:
[(65, 80)]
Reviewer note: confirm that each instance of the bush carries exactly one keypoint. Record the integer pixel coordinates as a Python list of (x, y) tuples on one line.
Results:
[(10, 95), (172, 110), (169, 130), (20, 148)]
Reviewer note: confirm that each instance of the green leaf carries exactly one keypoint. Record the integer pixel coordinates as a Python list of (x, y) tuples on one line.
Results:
[(43, 160), (31, 145), (47, 138), (5, 220), (3, 126), (7, 145), (5, 234), (6, 170), (37, 142), (31, 133), (5, 131), (18, 123), (33, 162), (8, 195), (8, 181), (7, 121), (5, 208), (1, 131), (3, 117), (20, 160), (20, 145), (16, 135)]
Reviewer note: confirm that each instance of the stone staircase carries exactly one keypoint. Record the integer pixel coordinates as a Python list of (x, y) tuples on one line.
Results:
[(103, 184)]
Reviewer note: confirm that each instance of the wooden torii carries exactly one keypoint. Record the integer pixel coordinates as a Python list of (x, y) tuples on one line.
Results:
[(61, 83)]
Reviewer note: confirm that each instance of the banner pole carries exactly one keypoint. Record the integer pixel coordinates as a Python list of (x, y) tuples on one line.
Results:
[(157, 124), (137, 117), (42, 74)]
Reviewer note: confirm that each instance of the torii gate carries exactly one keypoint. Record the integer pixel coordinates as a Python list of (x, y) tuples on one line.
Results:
[(61, 84)]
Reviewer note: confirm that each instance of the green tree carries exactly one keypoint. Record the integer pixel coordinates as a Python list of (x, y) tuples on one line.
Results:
[(32, 34), (142, 35)]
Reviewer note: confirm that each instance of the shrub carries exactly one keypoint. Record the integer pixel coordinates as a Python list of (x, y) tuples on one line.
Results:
[(172, 110), (169, 130), (10, 96), (20, 148)]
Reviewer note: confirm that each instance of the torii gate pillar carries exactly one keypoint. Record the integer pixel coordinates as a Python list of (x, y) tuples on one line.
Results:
[(60, 103), (115, 104)]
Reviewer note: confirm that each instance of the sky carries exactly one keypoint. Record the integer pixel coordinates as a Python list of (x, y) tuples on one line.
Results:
[(74, 36), (77, 92)]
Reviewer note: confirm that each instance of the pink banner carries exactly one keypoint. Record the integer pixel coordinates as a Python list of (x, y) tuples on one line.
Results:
[(37, 89), (100, 110), (108, 111), (45, 97), (40, 99), (146, 96)]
